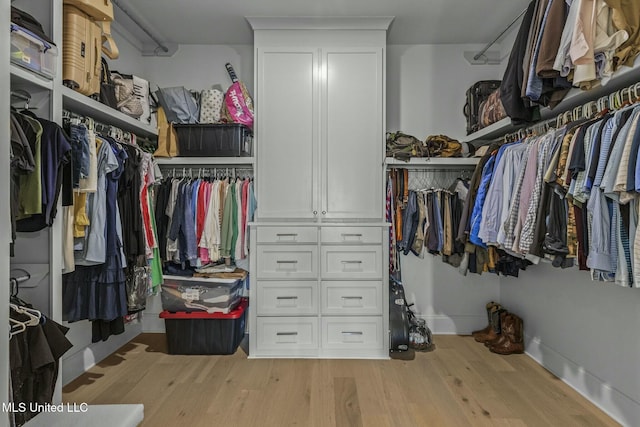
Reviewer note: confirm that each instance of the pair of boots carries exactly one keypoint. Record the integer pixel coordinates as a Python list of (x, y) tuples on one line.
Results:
[(504, 333)]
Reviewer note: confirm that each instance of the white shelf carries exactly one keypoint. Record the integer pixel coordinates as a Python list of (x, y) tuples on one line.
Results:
[(624, 77), (493, 131), (205, 161), (83, 105), (434, 162), (23, 78)]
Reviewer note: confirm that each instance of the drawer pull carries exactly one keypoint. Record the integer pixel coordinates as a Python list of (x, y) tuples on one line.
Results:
[(351, 234), (287, 298), (352, 262), (286, 334), (287, 234), (346, 297), (352, 333), (286, 262)]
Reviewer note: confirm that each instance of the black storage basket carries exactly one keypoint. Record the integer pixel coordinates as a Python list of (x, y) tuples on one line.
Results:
[(202, 333), (214, 140)]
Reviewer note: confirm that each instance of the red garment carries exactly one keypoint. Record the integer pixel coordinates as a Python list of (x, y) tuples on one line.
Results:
[(146, 217), (203, 253)]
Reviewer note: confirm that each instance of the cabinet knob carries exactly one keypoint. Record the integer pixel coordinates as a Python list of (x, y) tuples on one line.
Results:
[(315, 212), (324, 212)]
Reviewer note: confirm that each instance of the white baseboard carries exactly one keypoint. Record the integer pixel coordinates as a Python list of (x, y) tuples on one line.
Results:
[(151, 323), (614, 403), (454, 325), (81, 361)]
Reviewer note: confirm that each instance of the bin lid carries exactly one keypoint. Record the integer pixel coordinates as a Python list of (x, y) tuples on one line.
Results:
[(233, 314)]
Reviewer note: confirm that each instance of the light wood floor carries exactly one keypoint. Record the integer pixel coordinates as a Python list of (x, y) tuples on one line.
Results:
[(460, 383)]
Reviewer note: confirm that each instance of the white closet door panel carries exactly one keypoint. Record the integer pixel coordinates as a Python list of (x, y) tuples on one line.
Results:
[(342, 333), (287, 298), (351, 235), (353, 134), (287, 334), (286, 131), (287, 235), (351, 262), (287, 262), (351, 298)]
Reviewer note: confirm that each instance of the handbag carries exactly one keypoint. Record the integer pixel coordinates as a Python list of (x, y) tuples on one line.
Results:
[(211, 105), (491, 110), (167, 137), (238, 105), (180, 106), (107, 87), (128, 103), (443, 146)]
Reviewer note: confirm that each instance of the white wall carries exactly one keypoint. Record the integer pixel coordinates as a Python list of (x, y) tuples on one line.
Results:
[(199, 67), (426, 88), (426, 92), (584, 332)]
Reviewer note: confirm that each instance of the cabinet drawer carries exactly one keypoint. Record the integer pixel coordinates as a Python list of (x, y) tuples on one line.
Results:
[(352, 298), (284, 262), (287, 298), (287, 235), (351, 235), (352, 262), (288, 333), (341, 333)]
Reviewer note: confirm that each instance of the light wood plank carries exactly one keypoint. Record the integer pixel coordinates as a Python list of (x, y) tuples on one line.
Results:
[(460, 383)]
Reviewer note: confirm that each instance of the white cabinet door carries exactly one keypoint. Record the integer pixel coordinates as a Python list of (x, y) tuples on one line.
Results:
[(286, 133), (352, 133)]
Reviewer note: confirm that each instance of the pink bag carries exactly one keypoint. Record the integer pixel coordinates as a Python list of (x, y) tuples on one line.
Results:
[(238, 105)]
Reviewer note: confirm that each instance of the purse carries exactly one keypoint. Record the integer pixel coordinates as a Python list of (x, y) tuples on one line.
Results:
[(107, 87), (167, 137), (211, 105), (128, 103), (443, 146)]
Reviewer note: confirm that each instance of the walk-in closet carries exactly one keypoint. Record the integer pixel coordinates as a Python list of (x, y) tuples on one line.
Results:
[(350, 213)]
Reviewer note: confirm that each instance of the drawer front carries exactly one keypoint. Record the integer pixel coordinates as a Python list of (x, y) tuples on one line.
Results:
[(351, 235), (288, 333), (342, 333), (287, 262), (287, 235), (287, 298), (355, 262), (351, 298)]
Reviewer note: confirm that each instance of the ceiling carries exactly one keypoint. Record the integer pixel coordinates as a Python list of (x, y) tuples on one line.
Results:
[(416, 21)]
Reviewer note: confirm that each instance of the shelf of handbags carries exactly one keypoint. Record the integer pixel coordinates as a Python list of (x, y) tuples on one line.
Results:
[(86, 106), (623, 77), (433, 162)]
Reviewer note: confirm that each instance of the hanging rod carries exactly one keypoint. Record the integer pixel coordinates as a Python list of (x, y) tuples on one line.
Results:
[(21, 94), (142, 27), (486, 48)]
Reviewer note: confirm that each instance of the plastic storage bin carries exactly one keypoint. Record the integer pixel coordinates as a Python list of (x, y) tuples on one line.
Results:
[(33, 53), (192, 294), (211, 140), (203, 333)]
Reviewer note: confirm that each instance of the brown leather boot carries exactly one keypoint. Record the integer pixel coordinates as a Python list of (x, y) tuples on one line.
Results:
[(494, 332), (500, 337), (513, 331), (486, 329)]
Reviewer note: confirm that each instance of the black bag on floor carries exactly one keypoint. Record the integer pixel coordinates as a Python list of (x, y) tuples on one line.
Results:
[(477, 94)]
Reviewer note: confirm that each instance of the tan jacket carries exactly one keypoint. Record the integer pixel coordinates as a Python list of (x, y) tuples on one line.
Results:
[(626, 16)]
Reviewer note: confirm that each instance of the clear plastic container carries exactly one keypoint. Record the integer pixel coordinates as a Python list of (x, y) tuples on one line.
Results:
[(31, 52)]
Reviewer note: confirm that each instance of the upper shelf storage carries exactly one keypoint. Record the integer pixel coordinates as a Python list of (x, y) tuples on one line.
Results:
[(22, 78), (624, 77), (81, 104), (433, 162), (205, 161)]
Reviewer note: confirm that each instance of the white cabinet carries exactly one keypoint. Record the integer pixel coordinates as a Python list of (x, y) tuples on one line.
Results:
[(286, 132), (320, 125), (319, 238), (352, 133)]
